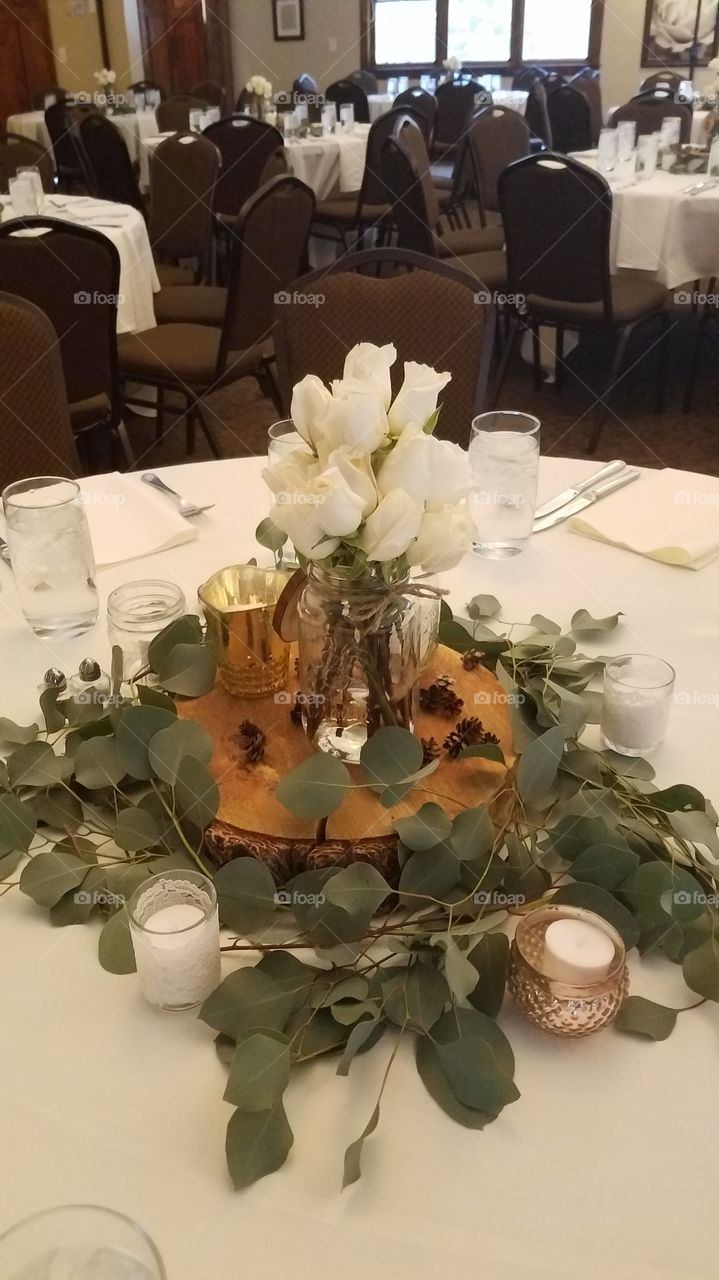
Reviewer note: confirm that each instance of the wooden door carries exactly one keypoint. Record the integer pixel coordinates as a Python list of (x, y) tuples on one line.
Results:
[(26, 58), (185, 42)]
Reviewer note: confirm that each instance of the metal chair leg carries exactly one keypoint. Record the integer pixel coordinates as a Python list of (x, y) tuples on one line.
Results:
[(537, 358), (559, 359), (124, 440), (696, 361), (513, 331), (190, 427), (616, 365), (214, 447), (160, 416), (662, 353)]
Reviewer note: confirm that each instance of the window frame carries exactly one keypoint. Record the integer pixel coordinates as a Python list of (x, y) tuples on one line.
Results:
[(367, 46)]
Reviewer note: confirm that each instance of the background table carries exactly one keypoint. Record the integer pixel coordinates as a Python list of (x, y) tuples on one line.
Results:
[(379, 105), (134, 126), (514, 98), (603, 1170), (330, 164), (699, 124)]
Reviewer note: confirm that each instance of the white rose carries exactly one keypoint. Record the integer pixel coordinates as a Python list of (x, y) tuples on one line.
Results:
[(111, 77), (311, 403), (299, 521), (392, 527), (292, 471), (356, 467), (444, 537), (368, 363), (337, 507), (356, 417), (417, 399), (434, 471)]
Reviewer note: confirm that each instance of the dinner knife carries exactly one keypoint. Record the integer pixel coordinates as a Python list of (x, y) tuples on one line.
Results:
[(586, 499), (568, 495)]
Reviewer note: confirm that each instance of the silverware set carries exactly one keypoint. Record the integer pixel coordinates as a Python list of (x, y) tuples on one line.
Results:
[(614, 476), (698, 187), (185, 508)]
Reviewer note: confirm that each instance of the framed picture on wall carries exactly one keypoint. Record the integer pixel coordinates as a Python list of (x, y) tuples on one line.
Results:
[(672, 27), (288, 19)]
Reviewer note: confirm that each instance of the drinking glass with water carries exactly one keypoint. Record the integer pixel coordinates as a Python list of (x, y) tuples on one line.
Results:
[(79, 1242), (51, 555), (504, 460)]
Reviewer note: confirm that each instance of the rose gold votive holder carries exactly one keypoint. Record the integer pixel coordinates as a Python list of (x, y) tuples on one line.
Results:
[(555, 1006)]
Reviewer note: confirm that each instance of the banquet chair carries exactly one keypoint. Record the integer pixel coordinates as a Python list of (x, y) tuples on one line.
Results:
[(537, 117), (366, 79), (72, 273), (58, 122), (370, 207), (142, 86), (709, 315), (267, 253), (557, 217), (105, 161), (587, 83), (210, 92), (427, 309), (424, 106), (344, 92), (648, 110), (246, 146), (16, 152), (661, 80), (183, 172), (174, 113), (455, 105), (304, 85), (569, 118), (497, 137), (35, 434), (39, 97)]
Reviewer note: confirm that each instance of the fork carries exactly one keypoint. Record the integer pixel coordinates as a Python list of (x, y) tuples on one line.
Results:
[(184, 507)]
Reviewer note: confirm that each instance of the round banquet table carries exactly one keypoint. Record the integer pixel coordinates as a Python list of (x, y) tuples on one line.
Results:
[(127, 229), (699, 133), (331, 164), (133, 125), (604, 1169)]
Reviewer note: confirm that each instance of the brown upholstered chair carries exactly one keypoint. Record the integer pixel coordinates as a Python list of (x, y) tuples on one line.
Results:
[(142, 86), (73, 274), (211, 92), (587, 83), (661, 80), (456, 102), (369, 82), (537, 115), (348, 91), (267, 251), (174, 112), (370, 207), (39, 97), (246, 146), (427, 309), (557, 218), (58, 122), (648, 110), (183, 173), (104, 160), (497, 137), (424, 107), (17, 152), (35, 434), (569, 118), (709, 315)]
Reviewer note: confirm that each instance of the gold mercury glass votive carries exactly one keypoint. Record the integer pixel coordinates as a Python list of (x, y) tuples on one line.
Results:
[(238, 603), (558, 1007)]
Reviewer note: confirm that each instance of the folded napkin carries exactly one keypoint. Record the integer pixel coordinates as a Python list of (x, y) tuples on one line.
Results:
[(672, 516), (128, 519)]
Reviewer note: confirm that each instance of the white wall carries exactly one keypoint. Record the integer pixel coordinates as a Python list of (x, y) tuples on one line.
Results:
[(329, 51), (622, 72)]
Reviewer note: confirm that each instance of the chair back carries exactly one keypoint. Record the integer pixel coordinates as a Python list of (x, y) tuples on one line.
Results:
[(304, 84), (245, 146), (374, 190), (404, 183), (661, 80), (58, 120), (17, 152), (210, 92), (347, 91), (105, 160), (455, 105), (587, 83), (648, 110), (426, 309), (553, 80), (183, 173), (497, 137), (424, 106), (269, 249), (557, 217), (142, 86), (35, 434), (569, 119), (366, 79), (410, 136), (526, 77), (71, 273), (174, 113), (38, 97), (537, 115)]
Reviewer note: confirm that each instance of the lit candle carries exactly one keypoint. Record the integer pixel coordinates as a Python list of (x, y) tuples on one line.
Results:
[(176, 937), (577, 953)]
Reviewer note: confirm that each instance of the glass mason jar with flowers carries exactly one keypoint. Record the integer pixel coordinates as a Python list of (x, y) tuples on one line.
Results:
[(368, 496), (258, 97)]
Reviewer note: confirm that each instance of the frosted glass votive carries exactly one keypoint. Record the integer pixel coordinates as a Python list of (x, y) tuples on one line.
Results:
[(176, 936), (638, 692)]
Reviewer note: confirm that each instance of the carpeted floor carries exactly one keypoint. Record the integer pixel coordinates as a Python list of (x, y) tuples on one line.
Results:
[(633, 432)]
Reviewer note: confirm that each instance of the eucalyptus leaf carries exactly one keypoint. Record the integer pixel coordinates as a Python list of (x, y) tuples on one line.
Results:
[(246, 1000), (363, 1036), (680, 798), (490, 957), (353, 1154), (358, 889), (538, 765), (584, 624), (260, 1072), (115, 950), (185, 630), (425, 828), (483, 607), (136, 727), (18, 824), (257, 1143), (604, 865), (474, 1075), (149, 697), (592, 898), (701, 969), (472, 833), (246, 892), (47, 876), (315, 788), (16, 735), (135, 830), (269, 536), (415, 996), (314, 1032), (34, 765), (169, 747), (53, 715), (462, 977), (9, 862), (640, 1017), (98, 764), (289, 974), (439, 1088), (486, 751), (390, 756), (189, 670), (428, 874), (196, 793), (59, 808)]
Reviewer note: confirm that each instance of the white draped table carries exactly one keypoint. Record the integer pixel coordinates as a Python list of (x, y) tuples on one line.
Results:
[(700, 132), (605, 1169), (331, 164), (133, 125)]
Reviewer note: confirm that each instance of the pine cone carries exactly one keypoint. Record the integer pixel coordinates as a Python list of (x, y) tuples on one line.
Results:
[(440, 697), (472, 659), (467, 733), (296, 713), (251, 741), (431, 750)]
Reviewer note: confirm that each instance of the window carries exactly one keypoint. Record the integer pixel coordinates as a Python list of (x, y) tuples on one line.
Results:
[(481, 33)]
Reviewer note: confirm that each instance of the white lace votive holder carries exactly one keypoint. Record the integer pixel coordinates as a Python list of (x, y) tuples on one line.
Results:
[(638, 695), (176, 936)]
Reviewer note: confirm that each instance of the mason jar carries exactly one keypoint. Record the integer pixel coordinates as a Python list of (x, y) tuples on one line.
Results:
[(136, 613), (359, 658)]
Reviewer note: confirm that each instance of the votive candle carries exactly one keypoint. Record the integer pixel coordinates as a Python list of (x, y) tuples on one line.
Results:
[(638, 691), (176, 937)]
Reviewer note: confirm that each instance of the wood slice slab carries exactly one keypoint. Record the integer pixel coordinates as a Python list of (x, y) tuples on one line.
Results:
[(252, 822)]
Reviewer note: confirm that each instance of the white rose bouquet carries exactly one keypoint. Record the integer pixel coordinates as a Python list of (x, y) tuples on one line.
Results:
[(367, 494), (453, 65), (105, 78), (260, 87)]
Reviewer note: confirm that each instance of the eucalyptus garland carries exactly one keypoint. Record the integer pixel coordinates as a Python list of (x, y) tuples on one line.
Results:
[(112, 789)]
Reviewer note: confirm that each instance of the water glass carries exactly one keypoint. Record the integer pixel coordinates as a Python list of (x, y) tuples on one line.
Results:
[(329, 116), (647, 155), (402, 84), (713, 166), (607, 151), (392, 87), (139, 100), (626, 138), (282, 438), (195, 120), (504, 461), (347, 116), (23, 196), (136, 613), (301, 112), (638, 693), (52, 556), (176, 938), (671, 132), (76, 1241)]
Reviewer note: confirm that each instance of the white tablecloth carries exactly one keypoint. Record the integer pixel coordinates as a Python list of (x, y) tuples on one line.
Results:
[(699, 124), (330, 164), (127, 229), (604, 1170), (514, 98), (133, 127), (148, 145)]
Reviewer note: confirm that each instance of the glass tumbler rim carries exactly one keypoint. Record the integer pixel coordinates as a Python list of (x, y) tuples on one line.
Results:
[(195, 877), (44, 482), (511, 418), (628, 684), (86, 1207)]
